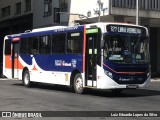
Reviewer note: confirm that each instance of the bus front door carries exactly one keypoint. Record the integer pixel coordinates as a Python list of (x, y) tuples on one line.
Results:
[(15, 50), (93, 57)]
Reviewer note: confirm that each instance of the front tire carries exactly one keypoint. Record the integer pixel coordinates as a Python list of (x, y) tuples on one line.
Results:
[(78, 84), (26, 79)]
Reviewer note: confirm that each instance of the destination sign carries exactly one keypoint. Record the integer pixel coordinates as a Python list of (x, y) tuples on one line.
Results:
[(125, 29)]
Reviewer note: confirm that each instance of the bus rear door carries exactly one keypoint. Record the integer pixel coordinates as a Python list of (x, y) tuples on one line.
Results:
[(15, 54), (93, 56)]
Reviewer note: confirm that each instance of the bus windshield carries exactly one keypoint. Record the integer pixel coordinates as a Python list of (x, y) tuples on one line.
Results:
[(126, 49)]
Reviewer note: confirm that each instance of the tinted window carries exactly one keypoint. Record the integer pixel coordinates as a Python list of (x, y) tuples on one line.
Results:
[(74, 42), (24, 46), (58, 43), (45, 45), (8, 47), (33, 45)]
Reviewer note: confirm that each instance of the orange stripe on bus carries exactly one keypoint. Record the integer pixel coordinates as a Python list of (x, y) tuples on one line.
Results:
[(8, 62), (84, 50), (17, 64), (34, 68)]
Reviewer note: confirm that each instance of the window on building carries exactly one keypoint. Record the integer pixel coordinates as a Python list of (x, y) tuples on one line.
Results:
[(59, 43), (63, 5), (45, 44), (143, 4), (6, 11), (123, 3), (74, 42), (18, 8), (127, 3), (153, 4), (56, 15), (119, 3), (133, 4), (47, 7), (130, 4), (113, 3), (116, 3), (156, 5), (28, 5), (150, 4), (146, 5)]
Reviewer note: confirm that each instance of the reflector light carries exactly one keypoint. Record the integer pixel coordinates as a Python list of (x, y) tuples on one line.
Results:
[(16, 39)]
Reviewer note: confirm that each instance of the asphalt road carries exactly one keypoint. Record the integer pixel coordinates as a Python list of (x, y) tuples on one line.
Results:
[(42, 97)]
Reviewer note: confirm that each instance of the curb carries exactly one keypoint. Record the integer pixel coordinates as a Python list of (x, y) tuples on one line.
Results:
[(155, 80), (4, 79), (8, 79)]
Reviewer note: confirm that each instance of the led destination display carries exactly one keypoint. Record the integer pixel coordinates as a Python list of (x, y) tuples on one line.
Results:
[(125, 29)]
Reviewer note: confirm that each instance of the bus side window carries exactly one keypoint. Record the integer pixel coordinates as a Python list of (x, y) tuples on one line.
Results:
[(45, 44), (7, 47), (58, 43), (74, 42), (24, 46), (33, 45)]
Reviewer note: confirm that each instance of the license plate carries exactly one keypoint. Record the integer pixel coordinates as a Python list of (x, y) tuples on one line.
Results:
[(132, 86)]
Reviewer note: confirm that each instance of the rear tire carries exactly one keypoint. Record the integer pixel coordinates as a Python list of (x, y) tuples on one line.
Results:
[(78, 84), (26, 79)]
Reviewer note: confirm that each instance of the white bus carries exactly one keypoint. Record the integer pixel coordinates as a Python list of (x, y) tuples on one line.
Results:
[(101, 56)]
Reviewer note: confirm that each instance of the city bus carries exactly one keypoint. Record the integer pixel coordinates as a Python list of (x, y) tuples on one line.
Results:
[(112, 56)]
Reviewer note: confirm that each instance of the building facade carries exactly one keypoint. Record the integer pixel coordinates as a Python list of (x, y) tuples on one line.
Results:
[(15, 16), (20, 15)]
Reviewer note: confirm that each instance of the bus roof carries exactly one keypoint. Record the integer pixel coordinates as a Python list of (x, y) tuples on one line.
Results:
[(60, 29), (48, 28)]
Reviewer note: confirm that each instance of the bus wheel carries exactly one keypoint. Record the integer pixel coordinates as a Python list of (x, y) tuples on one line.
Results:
[(78, 84), (26, 79)]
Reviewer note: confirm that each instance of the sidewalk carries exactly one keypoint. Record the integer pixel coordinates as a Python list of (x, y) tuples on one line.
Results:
[(155, 79), (4, 79)]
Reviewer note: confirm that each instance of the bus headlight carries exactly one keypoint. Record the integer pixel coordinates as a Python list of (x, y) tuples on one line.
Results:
[(109, 74)]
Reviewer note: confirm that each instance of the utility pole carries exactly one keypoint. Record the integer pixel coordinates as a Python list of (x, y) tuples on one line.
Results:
[(100, 4), (137, 12)]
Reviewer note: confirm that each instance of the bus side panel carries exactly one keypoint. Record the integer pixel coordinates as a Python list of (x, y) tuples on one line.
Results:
[(8, 62), (7, 69), (53, 62), (54, 68), (105, 82), (7, 66), (18, 67)]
